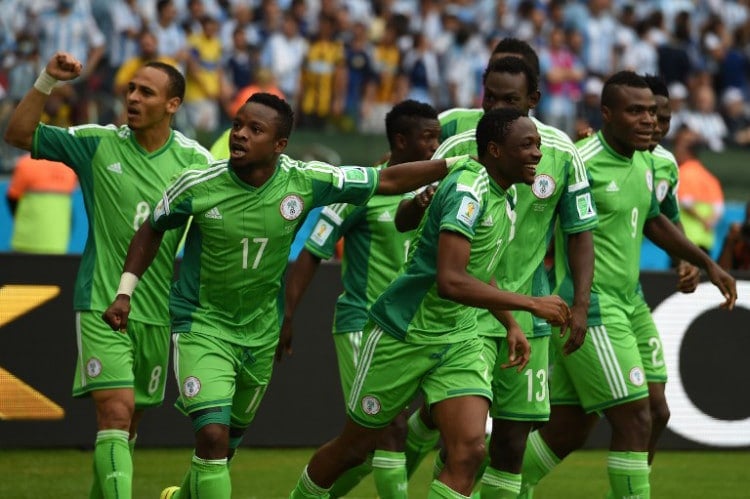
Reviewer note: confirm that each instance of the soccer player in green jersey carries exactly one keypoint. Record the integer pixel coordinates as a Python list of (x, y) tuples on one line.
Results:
[(649, 340), (225, 304), (375, 252), (606, 374), (560, 190), (120, 171), (422, 330)]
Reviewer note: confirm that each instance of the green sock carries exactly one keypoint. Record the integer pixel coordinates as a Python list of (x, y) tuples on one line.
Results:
[(96, 487), (628, 474), (113, 464), (420, 441), (351, 478), (389, 472), (131, 445), (538, 461), (209, 478), (439, 490), (611, 495), (307, 489), (498, 484), (184, 492)]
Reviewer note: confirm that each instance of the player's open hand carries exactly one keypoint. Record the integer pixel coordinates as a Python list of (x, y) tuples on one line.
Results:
[(285, 340), (689, 277), (117, 313), (553, 309), (519, 350), (64, 67), (578, 325), (726, 284)]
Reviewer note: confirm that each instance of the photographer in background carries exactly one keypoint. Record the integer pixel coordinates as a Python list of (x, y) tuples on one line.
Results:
[(735, 253)]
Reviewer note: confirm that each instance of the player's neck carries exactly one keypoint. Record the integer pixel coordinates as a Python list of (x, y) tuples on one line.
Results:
[(619, 146), (152, 139), (254, 175)]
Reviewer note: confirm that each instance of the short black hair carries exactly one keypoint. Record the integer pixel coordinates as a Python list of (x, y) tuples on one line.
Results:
[(620, 79), (494, 126), (403, 117), (657, 85), (176, 87), (514, 65), (520, 47), (161, 4), (282, 107)]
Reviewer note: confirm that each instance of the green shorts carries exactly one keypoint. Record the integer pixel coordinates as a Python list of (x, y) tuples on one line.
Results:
[(649, 343), (605, 372), (347, 351), (109, 359), (390, 372), (215, 374), (518, 396)]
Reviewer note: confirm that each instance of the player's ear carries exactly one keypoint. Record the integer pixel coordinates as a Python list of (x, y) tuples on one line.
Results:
[(606, 113), (173, 104), (400, 141), (494, 149), (534, 99), (280, 145)]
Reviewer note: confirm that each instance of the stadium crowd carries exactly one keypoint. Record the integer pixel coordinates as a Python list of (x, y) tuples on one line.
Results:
[(343, 64)]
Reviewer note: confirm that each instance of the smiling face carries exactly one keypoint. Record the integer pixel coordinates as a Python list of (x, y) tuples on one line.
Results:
[(253, 140), (630, 119), (517, 157), (147, 101)]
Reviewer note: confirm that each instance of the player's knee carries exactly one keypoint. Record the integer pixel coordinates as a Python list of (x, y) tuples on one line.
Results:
[(467, 454), (508, 448), (114, 413), (212, 441)]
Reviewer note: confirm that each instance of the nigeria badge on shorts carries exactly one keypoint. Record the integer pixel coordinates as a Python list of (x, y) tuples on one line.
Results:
[(93, 367), (191, 386), (370, 405)]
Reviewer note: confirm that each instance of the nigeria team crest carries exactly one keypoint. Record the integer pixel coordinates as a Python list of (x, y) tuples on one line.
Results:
[(543, 186), (291, 207)]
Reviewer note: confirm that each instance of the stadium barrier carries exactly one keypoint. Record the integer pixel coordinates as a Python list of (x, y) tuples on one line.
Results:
[(705, 349)]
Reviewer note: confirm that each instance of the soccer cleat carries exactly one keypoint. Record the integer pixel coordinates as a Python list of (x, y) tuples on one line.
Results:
[(169, 492)]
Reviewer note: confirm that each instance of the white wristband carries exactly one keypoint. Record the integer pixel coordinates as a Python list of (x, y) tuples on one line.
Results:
[(454, 159), (128, 282), (45, 82)]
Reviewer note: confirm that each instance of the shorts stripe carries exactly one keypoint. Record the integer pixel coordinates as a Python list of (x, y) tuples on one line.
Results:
[(355, 339), (364, 366), (176, 361), (79, 343), (608, 361), (255, 401)]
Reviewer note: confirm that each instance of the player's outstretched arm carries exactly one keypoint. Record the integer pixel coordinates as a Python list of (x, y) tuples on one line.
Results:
[(581, 261), (24, 120), (665, 235), (298, 278), (405, 177), (141, 252), (411, 211)]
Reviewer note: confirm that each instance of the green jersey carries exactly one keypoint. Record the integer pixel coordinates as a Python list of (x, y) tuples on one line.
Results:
[(458, 120), (560, 192), (238, 243), (467, 202), (666, 178), (375, 252), (119, 180), (623, 191)]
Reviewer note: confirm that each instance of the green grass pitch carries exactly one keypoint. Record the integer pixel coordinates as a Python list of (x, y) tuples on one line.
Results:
[(272, 473)]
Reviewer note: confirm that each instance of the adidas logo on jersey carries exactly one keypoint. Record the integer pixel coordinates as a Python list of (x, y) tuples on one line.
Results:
[(214, 214), (115, 167), (385, 217), (612, 187)]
